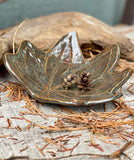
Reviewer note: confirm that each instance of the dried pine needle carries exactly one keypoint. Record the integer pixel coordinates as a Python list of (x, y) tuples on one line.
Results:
[(40, 150), (107, 119), (75, 146), (50, 141), (15, 35), (44, 146), (4, 136), (23, 149), (107, 124), (91, 135), (97, 146), (107, 141)]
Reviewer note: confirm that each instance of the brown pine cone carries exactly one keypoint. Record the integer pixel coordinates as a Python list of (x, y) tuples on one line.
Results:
[(84, 82), (70, 81)]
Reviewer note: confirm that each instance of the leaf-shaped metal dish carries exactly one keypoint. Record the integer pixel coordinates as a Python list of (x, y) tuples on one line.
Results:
[(42, 73)]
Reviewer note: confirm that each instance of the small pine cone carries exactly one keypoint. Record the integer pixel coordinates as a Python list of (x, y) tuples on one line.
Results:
[(84, 82), (70, 81)]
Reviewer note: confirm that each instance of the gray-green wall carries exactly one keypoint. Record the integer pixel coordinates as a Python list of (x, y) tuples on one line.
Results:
[(15, 11)]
